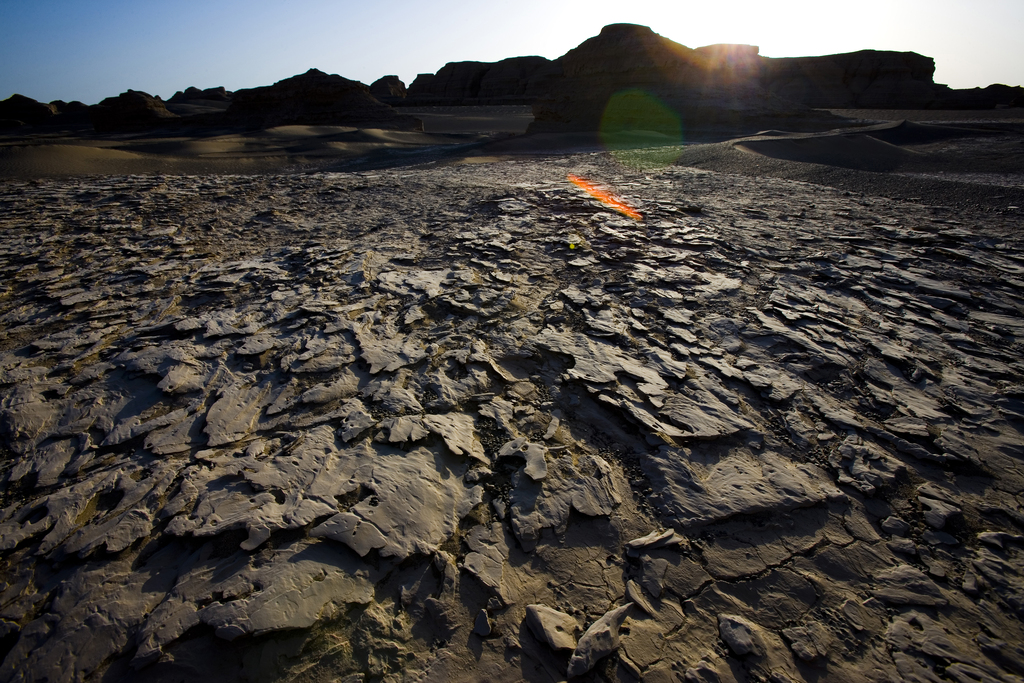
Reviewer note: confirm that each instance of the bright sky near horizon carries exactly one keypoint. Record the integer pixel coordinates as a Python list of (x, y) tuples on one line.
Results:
[(90, 49)]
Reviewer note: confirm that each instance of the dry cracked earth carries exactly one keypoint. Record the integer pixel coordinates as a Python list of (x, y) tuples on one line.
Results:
[(462, 422)]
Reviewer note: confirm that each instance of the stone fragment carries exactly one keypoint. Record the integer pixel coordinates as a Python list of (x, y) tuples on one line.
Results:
[(655, 539), (487, 557), (457, 431), (355, 419), (653, 574), (999, 539), (233, 415), (936, 512), (907, 585), (809, 642), (739, 634), (182, 379), (739, 483), (895, 526), (704, 672), (636, 595), (403, 429), (917, 632), (344, 386), (353, 531), (418, 504), (932, 537), (555, 628), (585, 486), (482, 624), (902, 545), (388, 355), (599, 641), (296, 594)]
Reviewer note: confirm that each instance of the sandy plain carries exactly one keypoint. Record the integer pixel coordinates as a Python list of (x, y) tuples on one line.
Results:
[(438, 414)]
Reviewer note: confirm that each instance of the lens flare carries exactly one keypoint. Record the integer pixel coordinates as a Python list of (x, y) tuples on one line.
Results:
[(605, 197), (640, 131)]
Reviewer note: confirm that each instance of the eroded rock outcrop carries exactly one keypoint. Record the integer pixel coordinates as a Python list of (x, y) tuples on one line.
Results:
[(18, 108), (659, 85), (388, 89), (990, 97), (314, 98), (191, 94), (131, 110), (864, 79), (516, 80)]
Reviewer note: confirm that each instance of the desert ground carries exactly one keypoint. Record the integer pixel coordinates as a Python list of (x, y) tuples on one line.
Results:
[(322, 404)]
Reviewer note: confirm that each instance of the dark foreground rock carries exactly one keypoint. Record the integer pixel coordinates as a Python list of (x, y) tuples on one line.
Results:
[(446, 422), (314, 98)]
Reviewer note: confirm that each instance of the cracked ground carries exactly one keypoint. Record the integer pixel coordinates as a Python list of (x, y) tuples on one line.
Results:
[(464, 422)]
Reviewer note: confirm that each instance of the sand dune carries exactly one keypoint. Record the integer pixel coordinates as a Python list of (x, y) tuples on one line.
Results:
[(44, 160), (861, 152), (274, 149), (881, 147)]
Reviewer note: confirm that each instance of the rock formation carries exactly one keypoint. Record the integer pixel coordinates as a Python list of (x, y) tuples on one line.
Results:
[(993, 96), (874, 79), (388, 89), (716, 78), (698, 88), (314, 98), (131, 110), (517, 80), (199, 108), (73, 113), (191, 94), (454, 82), (864, 79), (18, 109)]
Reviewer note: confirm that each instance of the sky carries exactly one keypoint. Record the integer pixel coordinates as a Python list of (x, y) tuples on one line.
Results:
[(90, 49)]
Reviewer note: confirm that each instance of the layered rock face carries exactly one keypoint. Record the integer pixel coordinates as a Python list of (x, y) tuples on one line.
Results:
[(699, 87), (517, 80), (864, 79), (388, 89), (314, 98), (191, 94), (131, 110), (874, 79), (733, 87), (455, 81), (200, 107)]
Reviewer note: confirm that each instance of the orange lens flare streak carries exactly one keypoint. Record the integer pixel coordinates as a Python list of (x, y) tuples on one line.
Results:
[(604, 197)]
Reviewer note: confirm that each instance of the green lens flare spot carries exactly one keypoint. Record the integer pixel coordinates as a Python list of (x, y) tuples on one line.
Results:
[(641, 131)]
